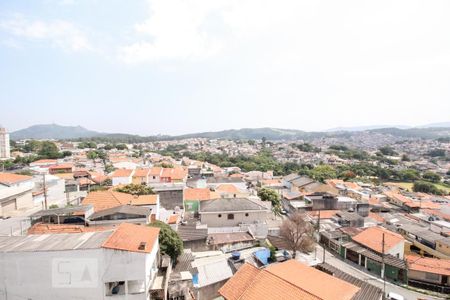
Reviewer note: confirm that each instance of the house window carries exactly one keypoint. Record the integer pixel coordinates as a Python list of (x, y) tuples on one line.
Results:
[(230, 217), (432, 277), (136, 286), (246, 214), (154, 177), (115, 288), (220, 215)]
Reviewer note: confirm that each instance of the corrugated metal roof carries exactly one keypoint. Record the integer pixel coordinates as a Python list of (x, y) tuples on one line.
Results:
[(54, 242)]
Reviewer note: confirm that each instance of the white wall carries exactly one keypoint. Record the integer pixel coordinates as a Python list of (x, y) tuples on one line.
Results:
[(398, 249), (213, 219), (33, 275), (121, 180)]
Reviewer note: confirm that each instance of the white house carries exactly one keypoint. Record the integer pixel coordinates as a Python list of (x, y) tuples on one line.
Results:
[(113, 264), (122, 176), (15, 194), (229, 212)]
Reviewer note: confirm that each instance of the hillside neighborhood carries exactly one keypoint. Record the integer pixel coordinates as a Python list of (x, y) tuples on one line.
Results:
[(201, 218)]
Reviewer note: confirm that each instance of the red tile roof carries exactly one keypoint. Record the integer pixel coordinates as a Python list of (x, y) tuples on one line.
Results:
[(122, 173), (107, 199), (287, 280), (199, 194), (372, 238), (428, 265), (131, 237), (11, 178), (141, 172), (61, 166)]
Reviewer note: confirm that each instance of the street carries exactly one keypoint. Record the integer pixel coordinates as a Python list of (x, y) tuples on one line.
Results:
[(362, 275)]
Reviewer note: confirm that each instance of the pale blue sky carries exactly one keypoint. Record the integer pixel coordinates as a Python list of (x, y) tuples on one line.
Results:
[(178, 66)]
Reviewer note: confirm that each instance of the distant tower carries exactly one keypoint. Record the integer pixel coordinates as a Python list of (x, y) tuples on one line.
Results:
[(4, 144)]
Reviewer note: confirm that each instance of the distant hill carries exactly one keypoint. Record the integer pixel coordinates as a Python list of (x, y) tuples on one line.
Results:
[(254, 133), (365, 128), (53, 131)]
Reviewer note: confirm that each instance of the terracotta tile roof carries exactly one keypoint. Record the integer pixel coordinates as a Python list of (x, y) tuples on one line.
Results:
[(41, 228), (131, 237), (374, 201), (11, 178), (122, 173), (107, 199), (227, 188), (324, 214), (376, 217), (44, 161), (429, 265), (142, 172), (155, 171), (287, 280), (174, 173), (197, 194), (173, 219), (61, 166), (429, 205), (398, 197), (238, 284), (372, 238)]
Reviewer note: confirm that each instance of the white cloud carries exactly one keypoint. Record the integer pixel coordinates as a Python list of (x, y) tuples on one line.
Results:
[(58, 33), (176, 30)]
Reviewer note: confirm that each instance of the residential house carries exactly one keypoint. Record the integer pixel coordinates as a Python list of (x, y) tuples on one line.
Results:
[(114, 264), (15, 194), (60, 168), (102, 200), (287, 280), (193, 197), (214, 182), (233, 211), (429, 273), (173, 175), (122, 176), (43, 163), (141, 175)]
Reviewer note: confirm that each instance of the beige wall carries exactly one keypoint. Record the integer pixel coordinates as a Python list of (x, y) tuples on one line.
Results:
[(443, 248), (213, 219), (24, 202), (418, 275)]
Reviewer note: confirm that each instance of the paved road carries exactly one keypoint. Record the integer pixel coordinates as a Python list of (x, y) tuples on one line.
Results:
[(354, 271)]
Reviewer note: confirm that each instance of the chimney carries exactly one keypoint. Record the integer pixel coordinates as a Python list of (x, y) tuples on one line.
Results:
[(142, 246)]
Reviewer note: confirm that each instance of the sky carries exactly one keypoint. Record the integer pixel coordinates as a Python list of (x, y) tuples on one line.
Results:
[(182, 66)]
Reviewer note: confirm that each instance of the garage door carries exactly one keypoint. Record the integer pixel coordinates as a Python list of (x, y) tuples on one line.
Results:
[(8, 207)]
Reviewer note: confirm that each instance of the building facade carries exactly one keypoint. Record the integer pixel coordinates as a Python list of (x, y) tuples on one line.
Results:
[(4, 144)]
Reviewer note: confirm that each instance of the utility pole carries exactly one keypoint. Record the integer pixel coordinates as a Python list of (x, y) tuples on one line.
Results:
[(45, 191), (383, 268)]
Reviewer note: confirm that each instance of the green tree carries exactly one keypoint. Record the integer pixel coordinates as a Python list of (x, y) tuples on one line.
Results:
[(267, 194), (323, 172), (121, 147), (408, 175), (170, 242), (431, 176), (49, 150), (405, 158), (427, 187), (136, 189), (387, 150)]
